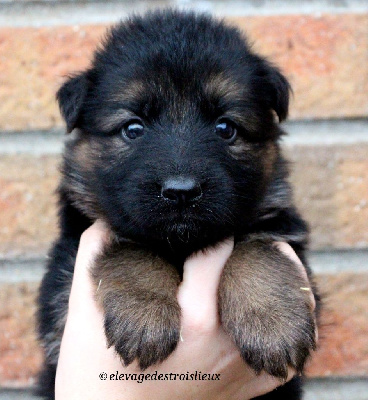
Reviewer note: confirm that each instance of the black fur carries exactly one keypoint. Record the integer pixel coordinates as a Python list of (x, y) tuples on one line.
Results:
[(179, 73)]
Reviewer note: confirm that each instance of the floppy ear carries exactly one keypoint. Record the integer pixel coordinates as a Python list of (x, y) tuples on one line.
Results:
[(278, 89), (71, 97)]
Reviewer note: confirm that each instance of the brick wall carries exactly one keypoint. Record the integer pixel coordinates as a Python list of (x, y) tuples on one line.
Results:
[(322, 46)]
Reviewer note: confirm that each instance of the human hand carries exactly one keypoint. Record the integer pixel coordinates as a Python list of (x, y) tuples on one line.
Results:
[(204, 348)]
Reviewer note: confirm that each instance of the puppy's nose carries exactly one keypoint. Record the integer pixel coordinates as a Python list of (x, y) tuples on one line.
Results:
[(181, 190)]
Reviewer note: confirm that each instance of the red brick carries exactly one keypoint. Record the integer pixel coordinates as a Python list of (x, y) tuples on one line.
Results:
[(331, 190), (20, 355), (33, 64), (325, 58), (343, 348), (27, 203)]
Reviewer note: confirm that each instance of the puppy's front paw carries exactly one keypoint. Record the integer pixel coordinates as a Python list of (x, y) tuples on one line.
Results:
[(147, 330), (265, 310), (137, 291), (270, 342)]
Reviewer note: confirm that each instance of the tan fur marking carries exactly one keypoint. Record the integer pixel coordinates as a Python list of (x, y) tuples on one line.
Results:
[(221, 86), (83, 155), (239, 148), (112, 121), (249, 121), (130, 91), (269, 158)]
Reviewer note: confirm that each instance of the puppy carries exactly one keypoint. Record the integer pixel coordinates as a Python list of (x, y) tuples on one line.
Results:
[(175, 145)]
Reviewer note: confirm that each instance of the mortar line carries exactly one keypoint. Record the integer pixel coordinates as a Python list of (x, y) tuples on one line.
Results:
[(305, 133), (23, 269), (56, 13)]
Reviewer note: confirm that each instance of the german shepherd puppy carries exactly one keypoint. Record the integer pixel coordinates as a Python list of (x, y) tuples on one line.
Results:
[(175, 145)]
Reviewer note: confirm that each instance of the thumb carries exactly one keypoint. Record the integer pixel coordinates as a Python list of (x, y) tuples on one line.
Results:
[(197, 293)]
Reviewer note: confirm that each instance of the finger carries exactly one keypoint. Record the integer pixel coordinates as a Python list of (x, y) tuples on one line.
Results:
[(289, 252), (84, 316), (286, 249), (197, 293), (90, 245), (91, 242)]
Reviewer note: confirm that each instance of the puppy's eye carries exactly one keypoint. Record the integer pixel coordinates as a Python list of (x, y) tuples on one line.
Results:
[(226, 130), (133, 130)]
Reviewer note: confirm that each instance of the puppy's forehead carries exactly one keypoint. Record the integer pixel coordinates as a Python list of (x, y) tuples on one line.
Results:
[(165, 92), (175, 58), (205, 97)]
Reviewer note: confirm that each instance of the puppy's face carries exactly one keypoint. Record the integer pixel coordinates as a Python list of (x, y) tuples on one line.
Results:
[(176, 139)]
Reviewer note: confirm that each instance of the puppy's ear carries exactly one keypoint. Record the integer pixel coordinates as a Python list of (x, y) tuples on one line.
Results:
[(278, 89), (71, 97)]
